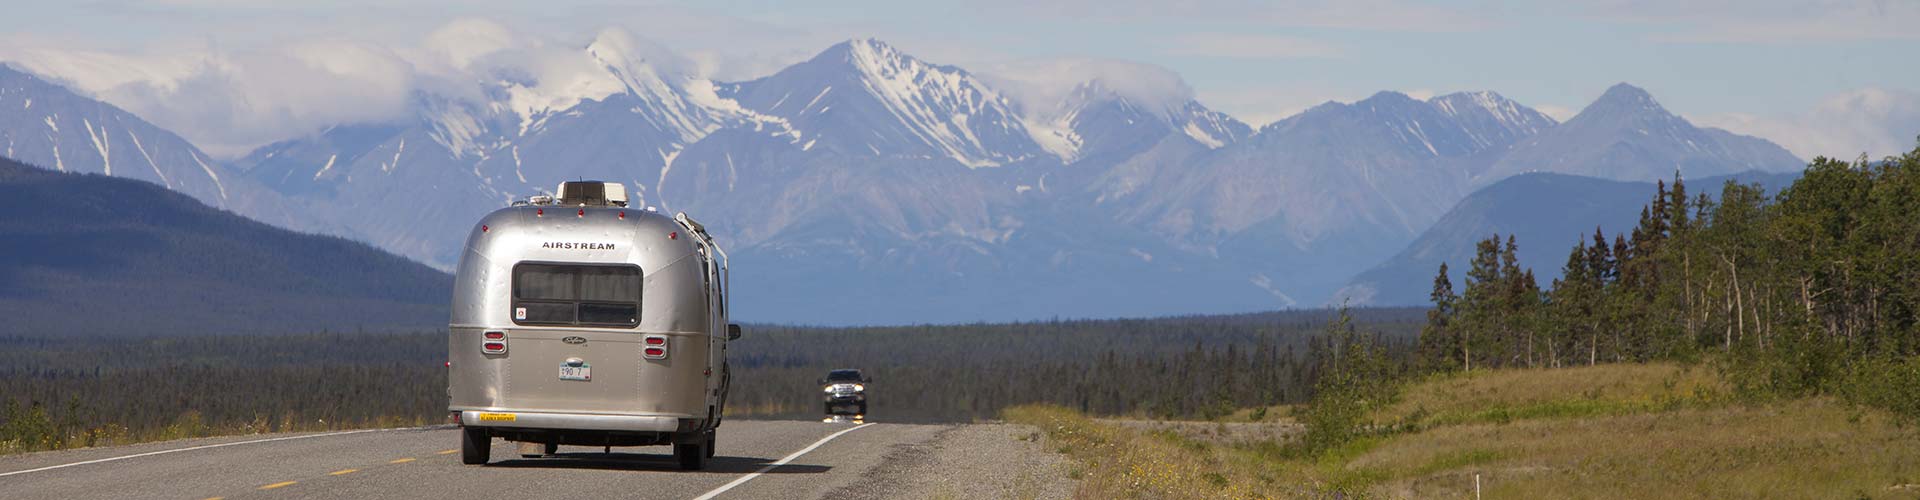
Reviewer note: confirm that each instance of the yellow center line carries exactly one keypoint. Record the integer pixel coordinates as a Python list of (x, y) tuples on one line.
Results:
[(343, 472), (448, 452), (277, 485), (401, 461)]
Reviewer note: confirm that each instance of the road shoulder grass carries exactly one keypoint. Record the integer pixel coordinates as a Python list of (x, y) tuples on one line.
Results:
[(1635, 431)]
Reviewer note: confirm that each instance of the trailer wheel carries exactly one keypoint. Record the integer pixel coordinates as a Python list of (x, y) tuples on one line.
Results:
[(475, 445), (692, 456), (711, 438), (553, 449)]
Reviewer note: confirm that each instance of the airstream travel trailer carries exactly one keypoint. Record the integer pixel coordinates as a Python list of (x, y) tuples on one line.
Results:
[(579, 320)]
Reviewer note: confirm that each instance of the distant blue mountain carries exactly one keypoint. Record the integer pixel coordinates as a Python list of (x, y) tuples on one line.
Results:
[(1547, 214), (87, 254), (865, 185)]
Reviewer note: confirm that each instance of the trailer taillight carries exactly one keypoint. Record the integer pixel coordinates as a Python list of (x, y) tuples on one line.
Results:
[(496, 343), (583, 212), (656, 347)]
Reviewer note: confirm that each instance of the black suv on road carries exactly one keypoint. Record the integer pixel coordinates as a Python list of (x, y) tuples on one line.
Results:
[(846, 388)]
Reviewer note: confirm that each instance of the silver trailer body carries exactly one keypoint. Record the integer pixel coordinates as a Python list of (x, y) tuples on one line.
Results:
[(550, 342)]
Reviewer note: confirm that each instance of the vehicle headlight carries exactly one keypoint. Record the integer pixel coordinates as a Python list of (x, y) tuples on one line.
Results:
[(859, 388), (827, 389)]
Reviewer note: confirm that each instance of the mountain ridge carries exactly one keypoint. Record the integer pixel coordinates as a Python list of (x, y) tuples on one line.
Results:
[(885, 164), (88, 254)]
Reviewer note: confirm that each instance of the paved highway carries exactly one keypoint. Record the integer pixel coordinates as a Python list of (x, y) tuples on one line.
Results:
[(756, 459)]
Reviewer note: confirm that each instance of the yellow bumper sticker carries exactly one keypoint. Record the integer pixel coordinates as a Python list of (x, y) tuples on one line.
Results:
[(496, 417)]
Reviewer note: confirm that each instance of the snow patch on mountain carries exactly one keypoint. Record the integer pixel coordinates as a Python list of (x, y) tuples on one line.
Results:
[(932, 101)]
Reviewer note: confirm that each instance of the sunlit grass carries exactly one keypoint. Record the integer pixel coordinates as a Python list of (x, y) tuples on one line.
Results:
[(1800, 449), (1617, 431)]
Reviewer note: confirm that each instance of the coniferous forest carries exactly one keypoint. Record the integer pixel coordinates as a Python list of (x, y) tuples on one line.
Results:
[(1811, 290), (87, 391)]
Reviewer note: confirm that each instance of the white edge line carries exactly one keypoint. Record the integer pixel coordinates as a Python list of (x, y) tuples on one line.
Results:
[(177, 450), (749, 477)]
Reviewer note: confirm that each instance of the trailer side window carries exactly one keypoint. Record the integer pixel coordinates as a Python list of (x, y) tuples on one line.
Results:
[(576, 295)]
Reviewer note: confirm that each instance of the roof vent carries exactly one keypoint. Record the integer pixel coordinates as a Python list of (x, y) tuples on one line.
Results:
[(592, 193)]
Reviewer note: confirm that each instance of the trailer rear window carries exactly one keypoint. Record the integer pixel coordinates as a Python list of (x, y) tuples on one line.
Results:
[(576, 295)]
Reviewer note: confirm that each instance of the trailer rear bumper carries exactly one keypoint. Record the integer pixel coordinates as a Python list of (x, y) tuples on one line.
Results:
[(570, 421)]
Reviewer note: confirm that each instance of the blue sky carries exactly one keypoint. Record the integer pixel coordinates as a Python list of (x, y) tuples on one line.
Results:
[(1791, 71)]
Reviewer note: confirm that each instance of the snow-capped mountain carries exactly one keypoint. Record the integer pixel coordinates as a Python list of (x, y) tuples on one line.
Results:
[(42, 123), (413, 186), (866, 98), (865, 185), (1626, 135), (1095, 123)]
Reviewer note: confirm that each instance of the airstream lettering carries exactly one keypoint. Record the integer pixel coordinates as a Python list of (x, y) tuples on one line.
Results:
[(569, 245), (604, 327)]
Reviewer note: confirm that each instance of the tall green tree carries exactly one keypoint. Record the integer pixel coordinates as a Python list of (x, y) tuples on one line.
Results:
[(1438, 337)]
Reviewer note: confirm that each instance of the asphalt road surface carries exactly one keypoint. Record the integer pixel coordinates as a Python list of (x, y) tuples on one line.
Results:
[(756, 459)]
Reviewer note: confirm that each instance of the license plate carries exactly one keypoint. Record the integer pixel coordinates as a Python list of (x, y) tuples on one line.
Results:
[(582, 372)]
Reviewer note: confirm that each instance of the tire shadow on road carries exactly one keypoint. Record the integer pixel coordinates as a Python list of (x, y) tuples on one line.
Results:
[(655, 463)]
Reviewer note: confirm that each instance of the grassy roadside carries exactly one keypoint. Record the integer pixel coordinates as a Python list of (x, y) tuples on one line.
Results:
[(1632, 431)]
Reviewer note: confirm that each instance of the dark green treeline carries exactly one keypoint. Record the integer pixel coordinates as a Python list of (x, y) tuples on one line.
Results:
[(1812, 290), (69, 392)]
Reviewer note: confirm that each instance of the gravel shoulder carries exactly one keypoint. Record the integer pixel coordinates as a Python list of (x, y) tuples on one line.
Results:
[(992, 460)]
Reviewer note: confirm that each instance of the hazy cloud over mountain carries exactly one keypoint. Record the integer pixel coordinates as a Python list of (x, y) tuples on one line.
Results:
[(1871, 121), (231, 74)]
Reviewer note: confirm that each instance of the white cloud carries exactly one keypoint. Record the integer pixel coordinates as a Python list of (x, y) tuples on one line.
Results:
[(1249, 46), (1262, 105), (1038, 83), (229, 102), (1765, 21), (1559, 113), (1876, 122), (1364, 15)]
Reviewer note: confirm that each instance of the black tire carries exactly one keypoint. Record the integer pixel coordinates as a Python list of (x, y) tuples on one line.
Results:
[(711, 438), (692, 456), (552, 449), (475, 445)]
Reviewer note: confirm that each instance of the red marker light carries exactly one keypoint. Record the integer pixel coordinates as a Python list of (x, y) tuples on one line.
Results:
[(656, 341), (673, 235), (623, 215), (539, 212), (483, 228), (656, 352), (583, 212)]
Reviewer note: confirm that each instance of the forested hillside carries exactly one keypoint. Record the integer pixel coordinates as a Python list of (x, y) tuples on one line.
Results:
[(103, 256), (1812, 290), (66, 392)]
